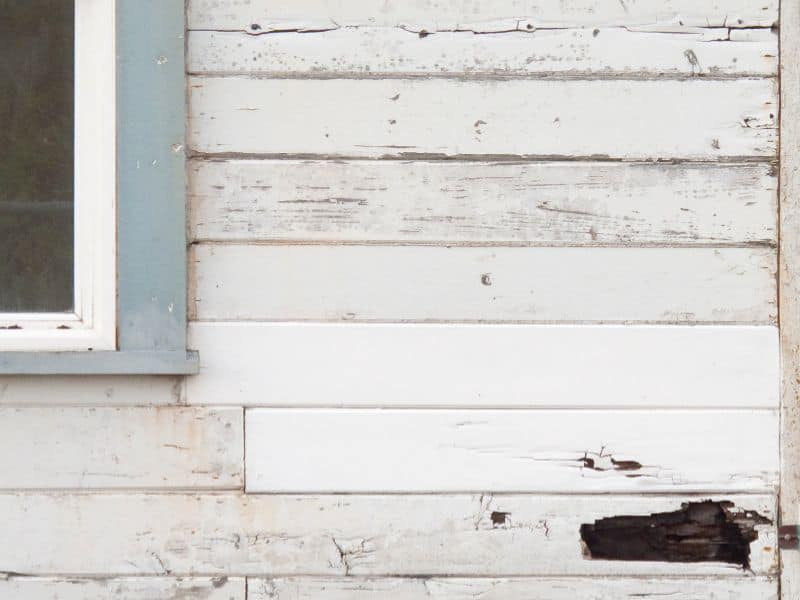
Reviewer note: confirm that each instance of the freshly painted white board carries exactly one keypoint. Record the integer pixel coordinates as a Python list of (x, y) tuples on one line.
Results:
[(274, 536), (540, 588), (165, 447), (418, 283), (378, 51), (288, 364), (575, 203), (449, 14), (380, 450), (34, 588), (698, 119), (91, 391)]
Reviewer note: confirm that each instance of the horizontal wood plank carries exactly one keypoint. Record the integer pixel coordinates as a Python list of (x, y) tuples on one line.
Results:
[(415, 118), (437, 15), (435, 284), (91, 391), (379, 450), (35, 588), (484, 365), (377, 51), (577, 203), (359, 588), (274, 536), (58, 447)]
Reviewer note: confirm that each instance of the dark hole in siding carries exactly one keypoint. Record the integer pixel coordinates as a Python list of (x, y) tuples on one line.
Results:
[(499, 518), (705, 531)]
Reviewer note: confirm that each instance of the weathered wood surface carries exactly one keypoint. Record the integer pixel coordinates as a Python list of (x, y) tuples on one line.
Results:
[(789, 282), (274, 536), (380, 52), (417, 117), (380, 450), (575, 203), (438, 284), (359, 588), (91, 391), (33, 588), (484, 365), (448, 14), (169, 448)]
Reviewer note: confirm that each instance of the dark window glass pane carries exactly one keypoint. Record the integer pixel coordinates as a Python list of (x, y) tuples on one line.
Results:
[(36, 160)]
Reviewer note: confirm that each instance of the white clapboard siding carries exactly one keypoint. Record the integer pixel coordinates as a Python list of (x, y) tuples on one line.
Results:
[(699, 119), (286, 364), (575, 203), (379, 450), (418, 283), (34, 588), (377, 51), (96, 390), (482, 16), (56, 447), (273, 536), (359, 588)]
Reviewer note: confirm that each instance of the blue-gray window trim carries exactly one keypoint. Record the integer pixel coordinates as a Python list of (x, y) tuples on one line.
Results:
[(151, 200)]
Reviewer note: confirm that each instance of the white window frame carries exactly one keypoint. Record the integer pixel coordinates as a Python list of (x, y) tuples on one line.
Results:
[(92, 325)]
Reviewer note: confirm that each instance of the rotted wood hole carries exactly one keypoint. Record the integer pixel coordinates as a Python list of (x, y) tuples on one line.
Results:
[(705, 531)]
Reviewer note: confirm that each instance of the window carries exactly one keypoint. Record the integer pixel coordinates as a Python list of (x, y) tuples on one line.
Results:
[(92, 187), (57, 199)]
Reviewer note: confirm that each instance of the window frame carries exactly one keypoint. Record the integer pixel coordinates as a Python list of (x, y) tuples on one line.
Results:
[(91, 325), (148, 290)]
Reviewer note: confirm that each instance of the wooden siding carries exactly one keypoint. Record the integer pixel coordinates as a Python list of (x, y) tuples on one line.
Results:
[(484, 365), (33, 588)]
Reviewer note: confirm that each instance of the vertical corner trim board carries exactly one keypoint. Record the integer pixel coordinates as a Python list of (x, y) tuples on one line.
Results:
[(139, 448), (421, 451), (698, 119), (441, 284), (493, 366), (353, 535), (454, 588), (582, 203), (436, 15)]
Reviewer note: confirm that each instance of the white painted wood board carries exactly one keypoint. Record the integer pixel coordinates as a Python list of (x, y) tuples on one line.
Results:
[(574, 203), (26, 390), (380, 51), (274, 536), (541, 588), (149, 588), (282, 364), (448, 14), (415, 451), (436, 284), (162, 448), (700, 119)]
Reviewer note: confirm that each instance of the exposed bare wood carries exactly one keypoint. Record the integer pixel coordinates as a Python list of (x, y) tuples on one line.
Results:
[(274, 536)]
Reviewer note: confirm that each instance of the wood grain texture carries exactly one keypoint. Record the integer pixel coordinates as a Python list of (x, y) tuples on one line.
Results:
[(381, 52), (574, 203), (436, 284), (699, 119), (274, 536), (35, 588), (484, 365), (360, 588), (448, 14), (789, 282), (410, 451), (167, 448)]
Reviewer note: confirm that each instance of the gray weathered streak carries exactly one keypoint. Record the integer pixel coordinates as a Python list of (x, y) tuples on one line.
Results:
[(551, 203), (146, 588)]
